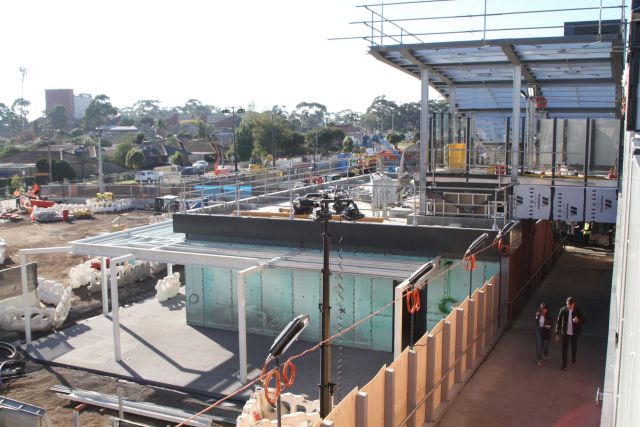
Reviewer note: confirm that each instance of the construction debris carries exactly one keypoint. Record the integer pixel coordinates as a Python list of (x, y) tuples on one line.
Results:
[(143, 409), (258, 412), (54, 305), (168, 287)]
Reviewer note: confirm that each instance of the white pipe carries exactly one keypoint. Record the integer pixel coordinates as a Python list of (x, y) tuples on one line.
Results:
[(169, 269), (242, 319), (397, 320), (25, 297), (104, 285), (115, 305)]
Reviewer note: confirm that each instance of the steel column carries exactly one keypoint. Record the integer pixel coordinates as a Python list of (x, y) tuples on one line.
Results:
[(424, 137), (515, 122)]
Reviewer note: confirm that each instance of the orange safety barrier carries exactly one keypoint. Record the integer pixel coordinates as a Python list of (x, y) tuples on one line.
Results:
[(413, 301), (470, 263)]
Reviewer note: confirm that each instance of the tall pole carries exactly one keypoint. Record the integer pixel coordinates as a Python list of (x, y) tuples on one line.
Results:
[(100, 175), (235, 150), (326, 387), (50, 165), (273, 141)]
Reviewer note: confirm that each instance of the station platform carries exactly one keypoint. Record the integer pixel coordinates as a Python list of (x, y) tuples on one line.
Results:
[(510, 390)]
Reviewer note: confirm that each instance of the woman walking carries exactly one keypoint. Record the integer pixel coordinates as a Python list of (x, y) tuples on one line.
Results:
[(543, 332)]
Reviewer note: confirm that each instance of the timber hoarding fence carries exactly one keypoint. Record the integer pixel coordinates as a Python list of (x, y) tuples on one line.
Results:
[(417, 387)]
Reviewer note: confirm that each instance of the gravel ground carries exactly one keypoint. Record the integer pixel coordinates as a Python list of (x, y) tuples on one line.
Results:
[(34, 388)]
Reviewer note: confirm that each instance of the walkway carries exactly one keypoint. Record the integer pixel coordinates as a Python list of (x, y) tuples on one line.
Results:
[(510, 390)]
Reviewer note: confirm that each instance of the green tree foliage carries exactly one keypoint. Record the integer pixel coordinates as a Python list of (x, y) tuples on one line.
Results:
[(9, 120), (20, 107), (134, 159), (329, 140), (121, 151), (177, 158), (202, 130), (244, 139), (57, 118), (9, 150), (271, 132), (60, 169), (16, 181), (347, 144), (438, 106), (98, 112), (395, 138), (309, 115), (126, 121), (139, 138), (196, 109)]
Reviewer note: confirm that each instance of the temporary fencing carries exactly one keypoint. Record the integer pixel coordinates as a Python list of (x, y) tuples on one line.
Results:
[(481, 319)]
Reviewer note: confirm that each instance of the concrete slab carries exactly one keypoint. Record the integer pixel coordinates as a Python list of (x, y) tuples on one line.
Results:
[(510, 390), (158, 346)]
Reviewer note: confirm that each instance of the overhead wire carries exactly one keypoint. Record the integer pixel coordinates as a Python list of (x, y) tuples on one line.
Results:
[(268, 374)]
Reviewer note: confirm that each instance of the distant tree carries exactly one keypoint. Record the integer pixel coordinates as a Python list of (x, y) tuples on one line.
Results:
[(139, 138), (16, 181), (121, 151), (126, 121), (160, 127), (185, 135), (244, 139), (57, 118), (347, 144), (42, 165), (60, 170), (134, 159), (310, 115), (438, 106), (196, 109), (329, 140), (98, 112), (9, 150), (21, 107), (202, 130), (9, 120), (177, 158), (395, 138)]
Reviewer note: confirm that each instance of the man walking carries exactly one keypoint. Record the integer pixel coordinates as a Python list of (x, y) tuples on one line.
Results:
[(569, 324)]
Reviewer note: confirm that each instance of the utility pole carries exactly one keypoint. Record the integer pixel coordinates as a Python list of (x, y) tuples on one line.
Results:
[(23, 71), (100, 175), (273, 142), (326, 386)]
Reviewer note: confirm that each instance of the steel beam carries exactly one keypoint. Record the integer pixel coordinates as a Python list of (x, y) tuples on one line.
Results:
[(424, 136), (515, 123)]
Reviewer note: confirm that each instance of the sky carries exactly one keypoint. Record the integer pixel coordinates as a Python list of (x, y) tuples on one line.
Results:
[(224, 53)]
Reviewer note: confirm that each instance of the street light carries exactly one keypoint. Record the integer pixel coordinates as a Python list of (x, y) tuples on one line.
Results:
[(233, 115), (100, 175), (289, 334), (349, 211)]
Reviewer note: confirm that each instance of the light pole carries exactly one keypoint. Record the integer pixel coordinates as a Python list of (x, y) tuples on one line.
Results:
[(273, 141), (233, 127), (348, 210), (100, 175)]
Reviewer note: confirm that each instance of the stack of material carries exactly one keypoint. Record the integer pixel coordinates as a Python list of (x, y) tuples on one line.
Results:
[(258, 412), (43, 317), (102, 205), (88, 273)]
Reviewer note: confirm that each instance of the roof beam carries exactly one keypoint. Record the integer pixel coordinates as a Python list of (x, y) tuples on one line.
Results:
[(549, 82), (579, 61), (380, 57), (407, 54), (507, 49), (550, 110)]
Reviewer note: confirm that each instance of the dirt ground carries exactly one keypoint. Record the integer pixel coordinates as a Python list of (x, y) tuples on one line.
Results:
[(34, 387)]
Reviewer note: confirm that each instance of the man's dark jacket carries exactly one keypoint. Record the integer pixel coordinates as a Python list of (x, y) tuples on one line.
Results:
[(563, 319)]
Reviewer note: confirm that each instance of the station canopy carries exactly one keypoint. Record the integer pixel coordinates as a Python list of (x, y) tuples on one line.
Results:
[(575, 74)]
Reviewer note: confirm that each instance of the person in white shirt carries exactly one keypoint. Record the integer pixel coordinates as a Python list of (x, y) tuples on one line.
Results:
[(569, 325)]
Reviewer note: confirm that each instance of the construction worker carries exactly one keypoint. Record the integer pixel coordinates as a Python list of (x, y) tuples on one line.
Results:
[(586, 233), (17, 195)]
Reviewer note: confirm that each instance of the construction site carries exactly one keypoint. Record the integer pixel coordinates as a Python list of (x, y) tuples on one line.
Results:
[(392, 285)]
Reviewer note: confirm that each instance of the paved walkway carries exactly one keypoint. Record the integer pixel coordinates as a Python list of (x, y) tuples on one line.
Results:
[(510, 390)]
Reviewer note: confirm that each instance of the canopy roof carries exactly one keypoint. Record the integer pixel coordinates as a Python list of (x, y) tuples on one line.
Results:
[(576, 74)]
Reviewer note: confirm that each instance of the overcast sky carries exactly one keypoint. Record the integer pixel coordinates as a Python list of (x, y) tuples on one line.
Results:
[(224, 53)]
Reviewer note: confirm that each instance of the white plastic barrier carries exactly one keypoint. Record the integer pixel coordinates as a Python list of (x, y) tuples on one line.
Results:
[(128, 273), (168, 287), (42, 318), (101, 206), (258, 412), (3, 250)]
